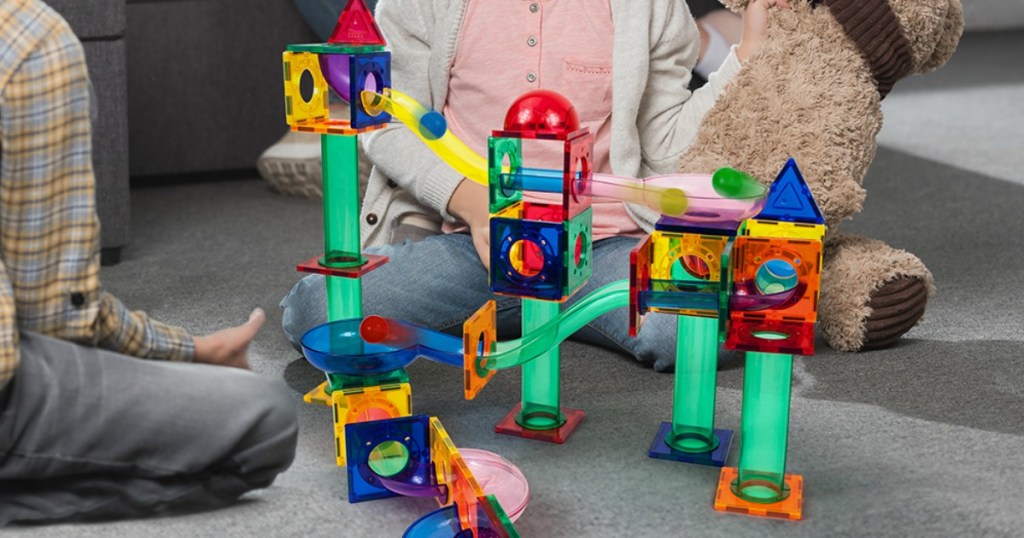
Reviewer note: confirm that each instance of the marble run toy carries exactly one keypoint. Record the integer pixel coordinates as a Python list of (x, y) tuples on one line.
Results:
[(734, 266), (737, 267), (387, 451), (678, 269), (540, 252), (351, 61), (736, 262)]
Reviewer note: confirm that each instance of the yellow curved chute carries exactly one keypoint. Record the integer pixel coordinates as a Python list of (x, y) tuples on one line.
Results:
[(431, 128)]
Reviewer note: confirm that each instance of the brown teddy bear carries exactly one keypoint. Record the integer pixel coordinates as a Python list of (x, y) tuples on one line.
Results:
[(813, 92)]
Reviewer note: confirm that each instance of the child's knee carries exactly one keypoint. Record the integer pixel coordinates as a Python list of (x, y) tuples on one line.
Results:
[(303, 308), (656, 343)]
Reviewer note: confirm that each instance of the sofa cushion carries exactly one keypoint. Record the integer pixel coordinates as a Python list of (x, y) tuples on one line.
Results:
[(204, 82), (92, 18)]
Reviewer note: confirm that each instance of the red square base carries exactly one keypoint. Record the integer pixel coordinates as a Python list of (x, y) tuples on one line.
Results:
[(797, 337), (789, 508), (312, 265), (509, 426)]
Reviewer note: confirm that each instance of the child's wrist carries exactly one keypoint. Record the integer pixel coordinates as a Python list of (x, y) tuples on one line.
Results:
[(469, 202), (743, 51)]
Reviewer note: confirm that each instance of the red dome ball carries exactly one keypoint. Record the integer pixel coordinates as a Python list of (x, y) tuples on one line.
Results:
[(542, 110)]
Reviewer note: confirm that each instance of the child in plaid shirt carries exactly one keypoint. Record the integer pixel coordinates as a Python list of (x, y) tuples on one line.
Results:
[(87, 432)]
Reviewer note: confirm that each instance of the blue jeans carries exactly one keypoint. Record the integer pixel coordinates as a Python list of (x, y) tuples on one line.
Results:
[(439, 282), (322, 15)]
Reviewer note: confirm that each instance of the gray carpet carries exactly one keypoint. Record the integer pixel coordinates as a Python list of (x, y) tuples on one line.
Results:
[(925, 438)]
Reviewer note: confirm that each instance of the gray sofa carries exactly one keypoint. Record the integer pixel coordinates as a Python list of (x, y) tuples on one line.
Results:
[(100, 25), (204, 82)]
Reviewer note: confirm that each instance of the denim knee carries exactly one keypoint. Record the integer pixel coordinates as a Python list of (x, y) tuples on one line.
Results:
[(656, 343), (299, 308)]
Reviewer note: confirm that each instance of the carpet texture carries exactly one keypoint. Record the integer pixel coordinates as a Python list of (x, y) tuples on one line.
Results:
[(923, 439)]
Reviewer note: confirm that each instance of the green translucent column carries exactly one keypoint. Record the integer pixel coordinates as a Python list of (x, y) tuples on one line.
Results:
[(340, 157), (764, 427), (693, 414), (540, 376), (344, 298), (345, 301)]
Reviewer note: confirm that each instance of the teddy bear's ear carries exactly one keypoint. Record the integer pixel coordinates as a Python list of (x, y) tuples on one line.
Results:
[(948, 40)]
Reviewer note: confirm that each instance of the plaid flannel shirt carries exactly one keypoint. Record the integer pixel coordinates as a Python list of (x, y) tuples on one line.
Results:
[(49, 230)]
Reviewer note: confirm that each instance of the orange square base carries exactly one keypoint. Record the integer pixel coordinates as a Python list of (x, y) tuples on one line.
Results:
[(332, 126), (789, 508)]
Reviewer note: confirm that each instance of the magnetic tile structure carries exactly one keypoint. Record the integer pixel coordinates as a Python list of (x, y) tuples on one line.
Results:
[(367, 403), (538, 258), (755, 288), (352, 61), (415, 456), (385, 450), (540, 251), (751, 283)]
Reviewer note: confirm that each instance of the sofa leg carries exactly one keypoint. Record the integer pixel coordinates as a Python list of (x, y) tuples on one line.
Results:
[(110, 256)]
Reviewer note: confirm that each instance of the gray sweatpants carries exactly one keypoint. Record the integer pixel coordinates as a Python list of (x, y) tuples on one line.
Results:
[(90, 434)]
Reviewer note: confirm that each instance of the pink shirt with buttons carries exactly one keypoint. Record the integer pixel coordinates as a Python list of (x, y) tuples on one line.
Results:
[(508, 47)]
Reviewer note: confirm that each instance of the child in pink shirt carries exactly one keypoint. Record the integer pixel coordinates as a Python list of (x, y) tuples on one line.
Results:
[(625, 65)]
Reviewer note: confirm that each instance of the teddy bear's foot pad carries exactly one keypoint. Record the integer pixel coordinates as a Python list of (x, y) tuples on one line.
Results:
[(895, 308)]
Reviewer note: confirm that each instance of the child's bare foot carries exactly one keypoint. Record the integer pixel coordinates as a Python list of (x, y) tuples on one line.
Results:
[(230, 347)]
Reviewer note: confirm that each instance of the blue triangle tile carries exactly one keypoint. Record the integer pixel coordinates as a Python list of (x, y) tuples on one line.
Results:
[(789, 198)]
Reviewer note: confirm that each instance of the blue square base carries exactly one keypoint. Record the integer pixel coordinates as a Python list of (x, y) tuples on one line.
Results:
[(715, 458)]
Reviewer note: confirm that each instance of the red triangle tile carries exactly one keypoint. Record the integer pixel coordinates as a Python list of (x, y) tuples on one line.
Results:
[(356, 26)]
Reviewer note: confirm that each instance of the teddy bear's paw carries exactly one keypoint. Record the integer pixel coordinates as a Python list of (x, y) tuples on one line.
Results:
[(896, 307)]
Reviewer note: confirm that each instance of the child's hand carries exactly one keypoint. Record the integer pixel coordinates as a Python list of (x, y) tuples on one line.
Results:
[(755, 26), (229, 347), (469, 203)]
